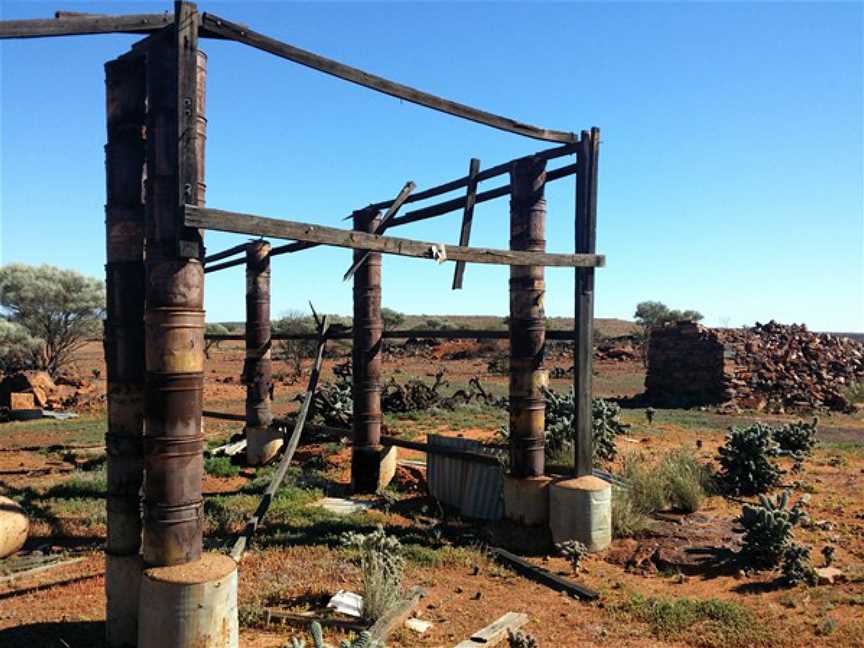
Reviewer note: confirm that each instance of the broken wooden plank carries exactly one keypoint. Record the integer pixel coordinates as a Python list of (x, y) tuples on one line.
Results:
[(226, 29), (467, 217), (485, 174), (67, 25), (223, 416), (38, 570), (251, 526), (496, 631), (391, 212), (226, 221), (397, 615), (543, 576)]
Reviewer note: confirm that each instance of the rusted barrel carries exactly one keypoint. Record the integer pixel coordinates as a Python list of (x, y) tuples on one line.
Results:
[(527, 319), (366, 363), (175, 340)]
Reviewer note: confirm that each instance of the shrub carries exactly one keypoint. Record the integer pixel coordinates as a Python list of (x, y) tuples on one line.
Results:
[(746, 460), (646, 486), (292, 352), (18, 349), (220, 467), (796, 439), (627, 520), (391, 318), (381, 565), (685, 480), (768, 530)]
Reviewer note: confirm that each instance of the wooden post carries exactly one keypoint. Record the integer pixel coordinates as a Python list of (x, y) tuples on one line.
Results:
[(366, 363), (257, 368), (527, 319), (124, 343), (174, 319), (467, 218), (586, 238)]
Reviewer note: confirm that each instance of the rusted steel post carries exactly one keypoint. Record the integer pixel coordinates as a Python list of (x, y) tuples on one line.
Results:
[(586, 237), (124, 342), (366, 363), (257, 368), (174, 318), (527, 319)]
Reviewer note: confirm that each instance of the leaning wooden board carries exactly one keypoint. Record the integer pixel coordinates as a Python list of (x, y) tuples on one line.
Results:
[(495, 632)]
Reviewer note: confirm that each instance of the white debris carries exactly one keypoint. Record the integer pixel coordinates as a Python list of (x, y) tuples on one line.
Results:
[(417, 625), (347, 603)]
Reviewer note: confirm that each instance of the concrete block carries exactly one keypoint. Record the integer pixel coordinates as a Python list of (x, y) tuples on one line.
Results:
[(526, 500), (581, 509)]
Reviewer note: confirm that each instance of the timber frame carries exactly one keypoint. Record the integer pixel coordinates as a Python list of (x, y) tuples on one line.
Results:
[(156, 264)]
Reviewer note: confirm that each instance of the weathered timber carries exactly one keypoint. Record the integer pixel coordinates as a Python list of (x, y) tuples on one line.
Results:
[(69, 25), (496, 631), (459, 203), (226, 29), (450, 334), (391, 212), (366, 362), (224, 254), (467, 455), (467, 217), (485, 174), (527, 319), (249, 531), (585, 243), (543, 576), (223, 416), (240, 223), (397, 615)]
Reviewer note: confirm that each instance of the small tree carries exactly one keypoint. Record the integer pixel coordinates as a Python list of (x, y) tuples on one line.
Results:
[(292, 352), (62, 308), (391, 318), (214, 329), (18, 349)]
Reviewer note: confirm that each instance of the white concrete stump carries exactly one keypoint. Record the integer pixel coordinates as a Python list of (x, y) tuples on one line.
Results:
[(14, 527), (122, 589), (581, 509), (191, 605), (262, 444), (526, 500)]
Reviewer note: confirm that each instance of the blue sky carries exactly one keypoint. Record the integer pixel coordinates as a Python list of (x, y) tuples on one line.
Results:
[(730, 170)]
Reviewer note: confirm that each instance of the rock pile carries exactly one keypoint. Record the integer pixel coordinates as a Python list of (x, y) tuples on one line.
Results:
[(67, 391), (772, 367)]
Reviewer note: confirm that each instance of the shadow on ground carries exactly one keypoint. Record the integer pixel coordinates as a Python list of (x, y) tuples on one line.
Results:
[(55, 634)]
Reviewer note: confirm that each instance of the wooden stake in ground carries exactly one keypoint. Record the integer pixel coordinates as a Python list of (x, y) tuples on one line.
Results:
[(251, 526)]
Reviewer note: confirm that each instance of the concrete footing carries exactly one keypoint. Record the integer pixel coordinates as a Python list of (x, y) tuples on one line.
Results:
[(190, 605), (14, 527), (122, 589), (262, 444), (376, 466), (526, 500), (581, 509)]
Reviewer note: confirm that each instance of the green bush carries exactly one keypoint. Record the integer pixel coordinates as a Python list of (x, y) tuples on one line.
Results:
[(685, 480), (746, 461), (220, 467)]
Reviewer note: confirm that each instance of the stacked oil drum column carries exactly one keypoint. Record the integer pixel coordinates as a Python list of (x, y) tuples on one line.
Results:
[(173, 515), (526, 486), (124, 343), (262, 442), (366, 451)]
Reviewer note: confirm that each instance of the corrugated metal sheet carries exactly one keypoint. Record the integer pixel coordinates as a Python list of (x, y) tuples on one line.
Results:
[(477, 490)]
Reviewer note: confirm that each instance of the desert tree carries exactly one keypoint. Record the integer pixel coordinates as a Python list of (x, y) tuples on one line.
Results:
[(292, 352), (214, 329), (650, 315), (61, 308), (18, 349)]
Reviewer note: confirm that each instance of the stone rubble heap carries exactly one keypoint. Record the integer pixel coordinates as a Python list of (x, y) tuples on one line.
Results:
[(771, 367)]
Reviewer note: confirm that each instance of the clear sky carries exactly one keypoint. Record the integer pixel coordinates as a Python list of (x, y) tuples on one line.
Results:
[(730, 169)]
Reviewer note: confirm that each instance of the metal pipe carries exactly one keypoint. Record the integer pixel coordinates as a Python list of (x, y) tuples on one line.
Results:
[(527, 319), (174, 318), (366, 362)]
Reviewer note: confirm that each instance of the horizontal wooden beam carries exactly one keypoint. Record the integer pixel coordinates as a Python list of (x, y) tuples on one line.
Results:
[(78, 25), (214, 25), (440, 334), (224, 254), (239, 223), (485, 174), (456, 204)]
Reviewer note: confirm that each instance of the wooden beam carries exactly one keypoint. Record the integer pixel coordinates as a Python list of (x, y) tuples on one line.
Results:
[(467, 217), (495, 632), (448, 334), (226, 29), (68, 25), (485, 174), (239, 223), (543, 576), (459, 203), (397, 615), (391, 212)]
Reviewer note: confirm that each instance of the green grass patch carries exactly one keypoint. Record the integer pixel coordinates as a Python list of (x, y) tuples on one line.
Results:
[(220, 467), (84, 431), (707, 623)]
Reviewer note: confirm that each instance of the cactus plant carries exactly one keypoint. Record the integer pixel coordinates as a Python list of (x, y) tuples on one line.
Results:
[(768, 530), (796, 565), (381, 565), (796, 439), (746, 460), (560, 426), (365, 640), (519, 640)]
